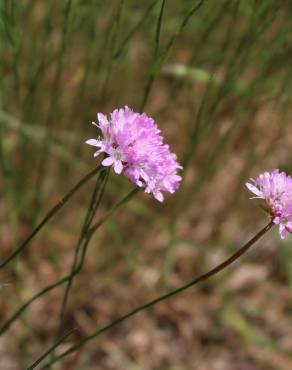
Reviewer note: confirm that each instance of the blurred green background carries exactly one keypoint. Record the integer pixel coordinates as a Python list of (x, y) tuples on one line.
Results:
[(217, 78)]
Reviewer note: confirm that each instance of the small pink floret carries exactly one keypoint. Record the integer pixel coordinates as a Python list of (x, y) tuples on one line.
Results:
[(133, 145)]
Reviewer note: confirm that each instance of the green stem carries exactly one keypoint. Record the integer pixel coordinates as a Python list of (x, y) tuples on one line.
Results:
[(124, 43), (154, 58), (203, 277), (95, 201), (18, 313), (43, 356), (53, 110), (65, 279), (7, 179), (115, 31), (49, 215), (158, 61)]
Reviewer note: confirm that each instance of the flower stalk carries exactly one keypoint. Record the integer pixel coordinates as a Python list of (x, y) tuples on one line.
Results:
[(65, 279), (95, 202), (53, 211), (173, 293)]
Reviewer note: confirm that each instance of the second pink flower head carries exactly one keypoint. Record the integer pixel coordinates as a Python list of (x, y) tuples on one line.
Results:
[(276, 189)]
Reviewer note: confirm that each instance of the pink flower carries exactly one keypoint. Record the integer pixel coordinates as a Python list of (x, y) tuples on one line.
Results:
[(275, 188), (133, 145)]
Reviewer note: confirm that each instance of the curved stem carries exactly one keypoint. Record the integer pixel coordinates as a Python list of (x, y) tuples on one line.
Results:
[(18, 313), (158, 60), (50, 350), (49, 215), (93, 206), (63, 280), (202, 277)]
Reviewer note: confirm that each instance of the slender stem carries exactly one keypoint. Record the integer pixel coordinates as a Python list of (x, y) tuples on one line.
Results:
[(7, 178), (93, 205), (158, 61), (53, 109), (49, 215), (18, 313), (202, 277), (95, 201), (63, 280), (179, 31), (158, 29), (44, 355), (115, 30), (154, 58), (118, 51), (123, 201)]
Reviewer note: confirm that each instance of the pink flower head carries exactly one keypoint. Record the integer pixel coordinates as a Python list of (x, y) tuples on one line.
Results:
[(276, 189), (132, 144)]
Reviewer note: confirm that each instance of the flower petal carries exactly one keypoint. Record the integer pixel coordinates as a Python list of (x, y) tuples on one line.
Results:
[(158, 195), (97, 153), (118, 167), (93, 142), (282, 231), (107, 161), (102, 119), (254, 190)]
